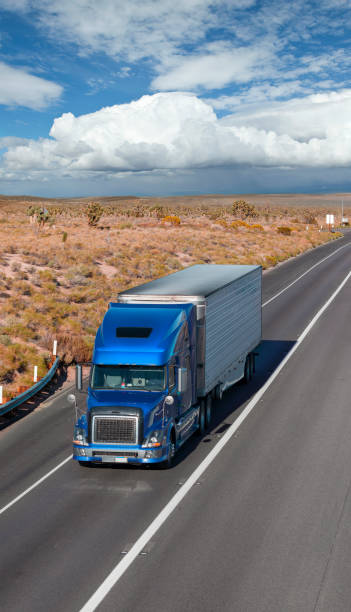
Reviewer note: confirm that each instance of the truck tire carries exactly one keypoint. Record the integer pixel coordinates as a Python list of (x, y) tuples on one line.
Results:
[(247, 370), (218, 393), (252, 364), (202, 419), (208, 411), (167, 463)]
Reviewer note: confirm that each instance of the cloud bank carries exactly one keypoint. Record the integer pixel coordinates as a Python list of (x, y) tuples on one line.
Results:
[(178, 131)]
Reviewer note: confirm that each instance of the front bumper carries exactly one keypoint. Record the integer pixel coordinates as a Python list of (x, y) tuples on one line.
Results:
[(118, 454)]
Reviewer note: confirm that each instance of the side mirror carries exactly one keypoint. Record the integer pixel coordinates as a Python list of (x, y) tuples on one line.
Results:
[(182, 380), (169, 400), (79, 378)]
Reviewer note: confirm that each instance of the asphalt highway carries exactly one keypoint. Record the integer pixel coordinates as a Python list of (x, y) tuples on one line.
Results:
[(265, 528)]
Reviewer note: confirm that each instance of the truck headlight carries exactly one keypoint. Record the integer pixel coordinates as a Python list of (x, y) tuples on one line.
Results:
[(79, 437), (155, 438)]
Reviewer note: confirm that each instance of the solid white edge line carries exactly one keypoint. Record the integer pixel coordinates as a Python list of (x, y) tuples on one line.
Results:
[(140, 544), (304, 274), (36, 484)]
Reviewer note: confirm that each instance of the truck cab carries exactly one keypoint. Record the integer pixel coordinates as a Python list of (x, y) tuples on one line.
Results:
[(141, 403)]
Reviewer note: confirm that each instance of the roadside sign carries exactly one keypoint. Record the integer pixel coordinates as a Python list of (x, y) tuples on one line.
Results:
[(329, 219)]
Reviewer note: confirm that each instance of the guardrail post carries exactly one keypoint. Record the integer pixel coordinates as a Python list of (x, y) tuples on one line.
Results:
[(54, 350), (35, 376), (0, 394)]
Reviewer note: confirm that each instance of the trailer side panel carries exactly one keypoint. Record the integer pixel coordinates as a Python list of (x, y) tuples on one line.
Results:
[(233, 327)]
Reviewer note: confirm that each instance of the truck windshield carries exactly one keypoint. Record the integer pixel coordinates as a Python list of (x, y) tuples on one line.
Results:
[(144, 378)]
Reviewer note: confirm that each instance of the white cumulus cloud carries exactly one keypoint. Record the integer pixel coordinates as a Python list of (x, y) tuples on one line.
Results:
[(178, 131), (216, 69), (321, 116), (20, 88)]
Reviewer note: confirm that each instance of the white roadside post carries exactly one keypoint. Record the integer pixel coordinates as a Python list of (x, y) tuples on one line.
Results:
[(35, 377), (54, 350), (0, 394), (329, 221)]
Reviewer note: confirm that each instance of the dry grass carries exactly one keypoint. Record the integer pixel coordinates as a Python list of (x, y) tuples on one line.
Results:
[(56, 280)]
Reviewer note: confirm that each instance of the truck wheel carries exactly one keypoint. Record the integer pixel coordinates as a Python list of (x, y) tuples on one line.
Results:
[(167, 463), (202, 419), (208, 414), (247, 370), (218, 392), (252, 365)]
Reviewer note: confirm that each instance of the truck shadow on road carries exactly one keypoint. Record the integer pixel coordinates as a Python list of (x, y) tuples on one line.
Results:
[(270, 354)]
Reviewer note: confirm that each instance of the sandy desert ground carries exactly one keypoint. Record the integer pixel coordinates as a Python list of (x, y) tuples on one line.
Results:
[(57, 276)]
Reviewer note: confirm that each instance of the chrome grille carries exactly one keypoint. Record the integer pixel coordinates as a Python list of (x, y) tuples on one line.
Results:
[(115, 429), (104, 453)]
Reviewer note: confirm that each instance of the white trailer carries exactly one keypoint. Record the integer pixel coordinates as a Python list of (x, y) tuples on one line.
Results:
[(228, 302)]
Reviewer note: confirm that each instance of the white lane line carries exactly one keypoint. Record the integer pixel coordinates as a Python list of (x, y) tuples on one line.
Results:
[(150, 532), (304, 274), (36, 484)]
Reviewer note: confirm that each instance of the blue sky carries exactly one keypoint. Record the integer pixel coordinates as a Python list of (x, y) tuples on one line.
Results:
[(163, 97)]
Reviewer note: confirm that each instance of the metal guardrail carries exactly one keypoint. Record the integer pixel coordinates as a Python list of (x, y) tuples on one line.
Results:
[(26, 395)]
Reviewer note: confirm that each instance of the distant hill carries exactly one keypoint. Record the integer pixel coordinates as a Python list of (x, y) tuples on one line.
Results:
[(275, 199)]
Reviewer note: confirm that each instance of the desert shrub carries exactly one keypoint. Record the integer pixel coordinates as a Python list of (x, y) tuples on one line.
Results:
[(5, 340), (283, 229), (40, 215), (56, 210), (23, 288), (213, 213), (79, 297), (46, 275), (157, 211), (221, 222), (271, 260), (15, 267), (310, 219), (239, 223), (49, 287), (140, 210), (73, 348), (243, 209), (79, 275), (257, 226), (7, 374), (94, 212), (172, 219)]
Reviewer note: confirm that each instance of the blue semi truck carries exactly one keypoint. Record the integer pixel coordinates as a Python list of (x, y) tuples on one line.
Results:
[(162, 353)]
